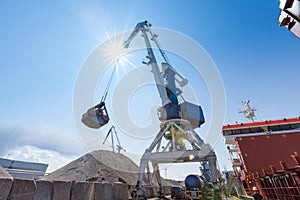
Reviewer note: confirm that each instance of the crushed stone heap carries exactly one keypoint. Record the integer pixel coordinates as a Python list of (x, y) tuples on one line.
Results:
[(100, 166)]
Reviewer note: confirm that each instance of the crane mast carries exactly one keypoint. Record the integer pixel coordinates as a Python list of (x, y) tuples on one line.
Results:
[(165, 80), (178, 121), (111, 132)]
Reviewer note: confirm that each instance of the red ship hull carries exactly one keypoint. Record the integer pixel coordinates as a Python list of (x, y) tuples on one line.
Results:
[(266, 155)]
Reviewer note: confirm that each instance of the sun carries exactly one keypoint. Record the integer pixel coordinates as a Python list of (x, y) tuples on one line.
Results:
[(116, 52)]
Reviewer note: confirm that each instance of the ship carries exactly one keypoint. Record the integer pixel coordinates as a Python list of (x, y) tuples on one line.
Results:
[(264, 156)]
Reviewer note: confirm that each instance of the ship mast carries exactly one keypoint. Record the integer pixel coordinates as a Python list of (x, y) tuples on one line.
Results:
[(248, 111)]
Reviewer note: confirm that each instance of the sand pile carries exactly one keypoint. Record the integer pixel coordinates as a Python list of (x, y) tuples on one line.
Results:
[(100, 166), (4, 174)]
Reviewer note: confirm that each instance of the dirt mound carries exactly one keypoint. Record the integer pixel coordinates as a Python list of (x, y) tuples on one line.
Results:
[(4, 174), (100, 166)]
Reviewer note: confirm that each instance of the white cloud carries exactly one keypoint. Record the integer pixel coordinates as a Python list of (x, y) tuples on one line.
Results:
[(45, 144), (13, 136)]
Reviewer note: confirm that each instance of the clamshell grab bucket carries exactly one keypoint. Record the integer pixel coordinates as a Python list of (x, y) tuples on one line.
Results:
[(95, 117)]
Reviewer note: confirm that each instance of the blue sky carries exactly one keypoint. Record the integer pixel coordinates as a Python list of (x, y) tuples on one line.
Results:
[(44, 44)]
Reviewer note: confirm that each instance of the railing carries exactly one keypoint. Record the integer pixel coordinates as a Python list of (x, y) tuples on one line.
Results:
[(23, 173), (282, 193)]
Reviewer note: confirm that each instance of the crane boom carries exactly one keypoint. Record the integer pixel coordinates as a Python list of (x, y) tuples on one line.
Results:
[(164, 79), (144, 28)]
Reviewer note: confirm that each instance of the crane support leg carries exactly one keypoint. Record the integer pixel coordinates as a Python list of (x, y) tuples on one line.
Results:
[(175, 153), (158, 178), (212, 161)]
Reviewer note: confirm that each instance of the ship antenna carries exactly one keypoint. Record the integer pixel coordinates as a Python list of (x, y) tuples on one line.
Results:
[(248, 111)]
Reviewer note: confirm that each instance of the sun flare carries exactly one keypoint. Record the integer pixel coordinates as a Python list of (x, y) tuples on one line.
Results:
[(116, 52)]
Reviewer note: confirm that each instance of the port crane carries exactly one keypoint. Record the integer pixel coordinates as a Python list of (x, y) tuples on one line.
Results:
[(112, 131), (178, 120)]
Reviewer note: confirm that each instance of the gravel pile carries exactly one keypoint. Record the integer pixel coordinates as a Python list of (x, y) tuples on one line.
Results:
[(101, 166)]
